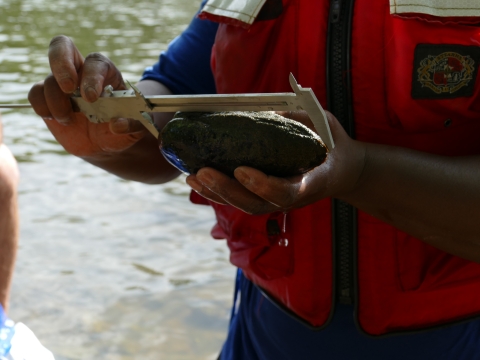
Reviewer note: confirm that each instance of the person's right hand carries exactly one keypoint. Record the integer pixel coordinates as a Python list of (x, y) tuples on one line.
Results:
[(51, 100)]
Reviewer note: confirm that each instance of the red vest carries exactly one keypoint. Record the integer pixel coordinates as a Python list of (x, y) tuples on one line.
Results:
[(403, 283)]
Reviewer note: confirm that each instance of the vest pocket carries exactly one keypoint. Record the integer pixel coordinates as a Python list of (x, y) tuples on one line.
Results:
[(421, 267), (431, 66)]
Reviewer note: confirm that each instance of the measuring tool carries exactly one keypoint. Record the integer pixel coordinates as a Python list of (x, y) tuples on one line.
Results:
[(132, 104)]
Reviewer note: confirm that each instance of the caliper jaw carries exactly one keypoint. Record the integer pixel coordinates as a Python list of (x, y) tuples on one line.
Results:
[(133, 106)]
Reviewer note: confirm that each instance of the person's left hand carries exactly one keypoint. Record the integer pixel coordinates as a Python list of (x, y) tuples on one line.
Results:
[(256, 193)]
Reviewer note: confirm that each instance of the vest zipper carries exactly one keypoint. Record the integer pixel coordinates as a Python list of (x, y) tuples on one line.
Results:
[(339, 103)]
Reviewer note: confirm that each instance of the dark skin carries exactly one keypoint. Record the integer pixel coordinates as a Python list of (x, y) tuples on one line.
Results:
[(434, 198)]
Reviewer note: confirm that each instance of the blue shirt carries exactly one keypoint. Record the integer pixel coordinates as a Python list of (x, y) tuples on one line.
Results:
[(258, 329)]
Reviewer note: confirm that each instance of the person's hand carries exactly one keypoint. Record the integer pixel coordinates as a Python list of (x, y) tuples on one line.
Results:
[(51, 100), (257, 193)]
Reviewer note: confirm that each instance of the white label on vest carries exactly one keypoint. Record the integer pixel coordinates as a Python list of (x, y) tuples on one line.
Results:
[(436, 7), (242, 10)]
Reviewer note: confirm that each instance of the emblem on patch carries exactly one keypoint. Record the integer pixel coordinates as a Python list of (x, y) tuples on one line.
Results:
[(444, 71)]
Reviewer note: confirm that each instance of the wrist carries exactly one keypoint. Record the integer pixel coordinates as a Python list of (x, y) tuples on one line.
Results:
[(349, 181)]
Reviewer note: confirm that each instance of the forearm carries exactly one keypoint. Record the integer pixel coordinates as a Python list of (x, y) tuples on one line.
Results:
[(8, 221), (434, 198), (142, 162)]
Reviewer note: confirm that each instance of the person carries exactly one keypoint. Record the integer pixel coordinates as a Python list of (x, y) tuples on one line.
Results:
[(385, 230), (9, 230)]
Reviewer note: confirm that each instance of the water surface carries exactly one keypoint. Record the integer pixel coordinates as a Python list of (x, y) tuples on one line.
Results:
[(107, 268)]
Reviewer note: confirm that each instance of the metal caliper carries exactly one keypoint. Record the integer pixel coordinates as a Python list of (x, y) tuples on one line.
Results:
[(132, 104)]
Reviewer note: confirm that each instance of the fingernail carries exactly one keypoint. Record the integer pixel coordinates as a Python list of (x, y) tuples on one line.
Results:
[(120, 126), (242, 176), (91, 93), (64, 120), (206, 179), (195, 185), (67, 84), (47, 118)]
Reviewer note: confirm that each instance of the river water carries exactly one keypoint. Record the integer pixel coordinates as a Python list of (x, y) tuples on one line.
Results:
[(107, 268)]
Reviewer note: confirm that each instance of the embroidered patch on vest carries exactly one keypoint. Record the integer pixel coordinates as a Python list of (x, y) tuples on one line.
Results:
[(444, 71)]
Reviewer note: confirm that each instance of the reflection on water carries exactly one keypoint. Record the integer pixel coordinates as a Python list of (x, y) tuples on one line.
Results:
[(107, 268)]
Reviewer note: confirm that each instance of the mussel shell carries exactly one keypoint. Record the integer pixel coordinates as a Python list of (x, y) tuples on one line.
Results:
[(225, 140)]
